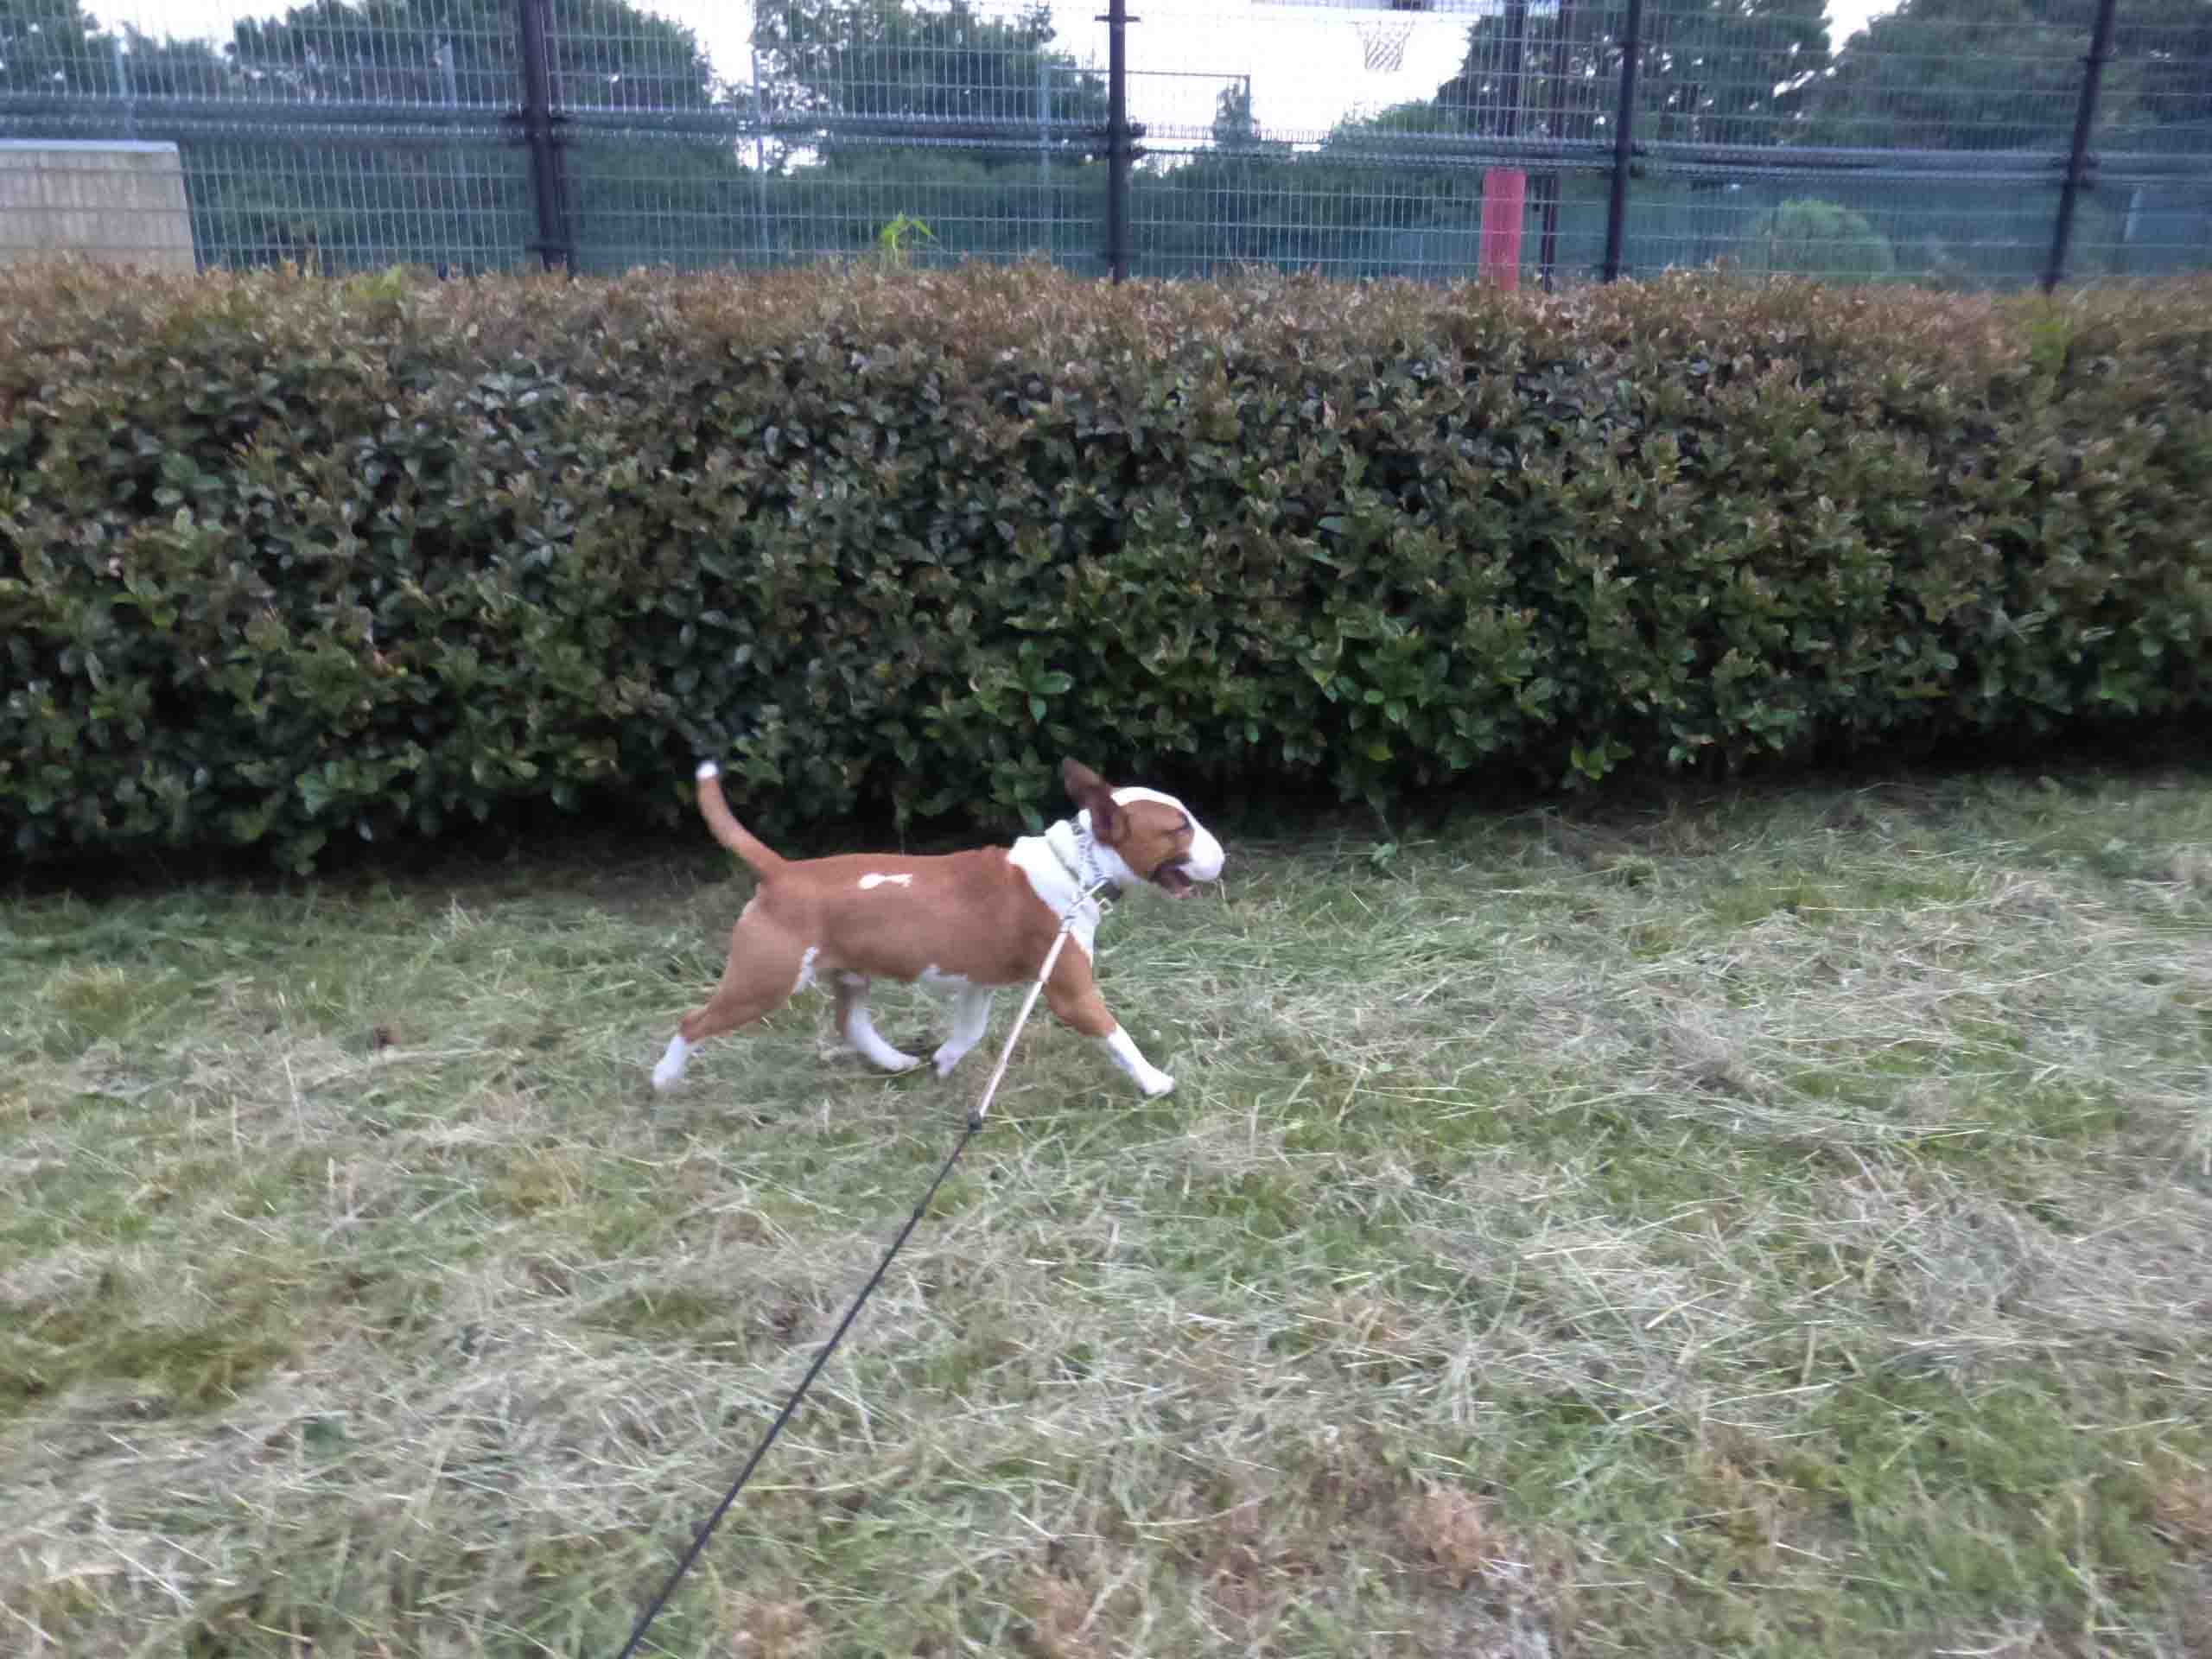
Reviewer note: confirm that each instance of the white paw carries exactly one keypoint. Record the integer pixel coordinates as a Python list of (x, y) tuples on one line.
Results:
[(670, 1068), (945, 1059), (1157, 1084), (861, 1034)]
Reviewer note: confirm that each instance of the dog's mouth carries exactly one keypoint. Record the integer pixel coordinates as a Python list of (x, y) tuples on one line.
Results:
[(1172, 879)]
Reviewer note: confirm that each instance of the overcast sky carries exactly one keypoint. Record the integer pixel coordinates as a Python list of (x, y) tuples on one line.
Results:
[(1304, 58)]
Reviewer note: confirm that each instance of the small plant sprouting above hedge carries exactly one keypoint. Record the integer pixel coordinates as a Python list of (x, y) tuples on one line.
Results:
[(282, 559)]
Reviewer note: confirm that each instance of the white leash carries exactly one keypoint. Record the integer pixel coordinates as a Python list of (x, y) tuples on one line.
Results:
[(1029, 1001)]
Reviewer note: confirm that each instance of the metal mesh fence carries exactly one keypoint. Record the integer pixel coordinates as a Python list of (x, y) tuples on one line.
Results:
[(2153, 144), (462, 208), (1435, 139), (382, 59)]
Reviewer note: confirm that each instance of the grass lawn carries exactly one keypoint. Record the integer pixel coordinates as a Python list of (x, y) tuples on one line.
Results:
[(1775, 1223)]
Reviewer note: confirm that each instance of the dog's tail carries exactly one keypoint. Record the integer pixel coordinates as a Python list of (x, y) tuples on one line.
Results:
[(728, 830)]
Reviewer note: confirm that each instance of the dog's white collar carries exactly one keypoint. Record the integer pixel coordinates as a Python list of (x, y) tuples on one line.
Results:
[(1077, 852)]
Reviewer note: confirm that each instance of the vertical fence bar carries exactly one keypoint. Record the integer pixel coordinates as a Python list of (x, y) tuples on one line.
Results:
[(1549, 187), (1623, 141), (542, 139), (2077, 163), (1118, 139), (1045, 215), (123, 89), (760, 162)]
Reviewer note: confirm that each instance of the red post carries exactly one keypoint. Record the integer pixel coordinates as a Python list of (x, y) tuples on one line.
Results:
[(1506, 193)]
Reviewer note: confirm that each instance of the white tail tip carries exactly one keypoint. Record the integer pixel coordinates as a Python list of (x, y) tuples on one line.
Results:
[(708, 769)]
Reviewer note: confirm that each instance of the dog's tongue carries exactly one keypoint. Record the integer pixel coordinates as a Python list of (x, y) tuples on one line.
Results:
[(1177, 884)]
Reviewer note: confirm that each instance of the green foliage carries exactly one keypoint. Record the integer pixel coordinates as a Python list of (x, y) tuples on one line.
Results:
[(890, 61), (1808, 236), (2005, 74), (265, 194), (1713, 74), (52, 45), (389, 51), (976, 119), (899, 238), (282, 559)]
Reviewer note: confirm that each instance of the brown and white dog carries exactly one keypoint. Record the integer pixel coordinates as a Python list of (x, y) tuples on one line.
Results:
[(971, 922)]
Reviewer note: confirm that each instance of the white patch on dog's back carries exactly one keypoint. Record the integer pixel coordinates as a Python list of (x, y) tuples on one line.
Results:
[(868, 881)]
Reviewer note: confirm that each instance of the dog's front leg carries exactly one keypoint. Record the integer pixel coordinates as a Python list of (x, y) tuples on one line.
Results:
[(1150, 1077), (1077, 1004)]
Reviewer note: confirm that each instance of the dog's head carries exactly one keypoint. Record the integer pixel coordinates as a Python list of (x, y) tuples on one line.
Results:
[(1152, 837)]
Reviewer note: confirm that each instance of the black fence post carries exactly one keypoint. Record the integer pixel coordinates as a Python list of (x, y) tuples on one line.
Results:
[(541, 137), (2077, 163), (1623, 141), (1118, 146)]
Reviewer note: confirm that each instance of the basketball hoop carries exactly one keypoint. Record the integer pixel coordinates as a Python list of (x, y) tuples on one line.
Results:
[(1383, 43)]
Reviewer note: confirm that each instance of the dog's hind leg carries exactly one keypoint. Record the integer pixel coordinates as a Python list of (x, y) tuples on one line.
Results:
[(765, 969), (860, 1031)]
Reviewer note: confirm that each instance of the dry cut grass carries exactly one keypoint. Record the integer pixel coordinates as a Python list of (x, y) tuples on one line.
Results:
[(1777, 1224)]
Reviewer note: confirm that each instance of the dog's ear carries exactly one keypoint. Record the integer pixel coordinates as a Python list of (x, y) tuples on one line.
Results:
[(1087, 789)]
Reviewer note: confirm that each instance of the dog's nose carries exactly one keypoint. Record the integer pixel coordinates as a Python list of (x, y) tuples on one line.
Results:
[(1202, 863)]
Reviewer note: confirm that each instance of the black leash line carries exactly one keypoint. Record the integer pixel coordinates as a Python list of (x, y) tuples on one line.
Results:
[(975, 1119), (652, 1610)]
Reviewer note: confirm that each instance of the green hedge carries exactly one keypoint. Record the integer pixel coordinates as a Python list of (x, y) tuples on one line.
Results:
[(282, 559)]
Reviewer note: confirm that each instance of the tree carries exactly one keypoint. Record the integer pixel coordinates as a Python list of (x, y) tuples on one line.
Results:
[(1924, 78), (2006, 74), (1808, 236), (1236, 202), (464, 203), (891, 61), (1245, 200), (53, 46), (172, 68), (605, 55), (1236, 130), (1721, 71), (852, 83), (274, 189), (1982, 76)]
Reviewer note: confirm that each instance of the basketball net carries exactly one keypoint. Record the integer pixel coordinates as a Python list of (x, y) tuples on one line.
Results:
[(1382, 44)]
